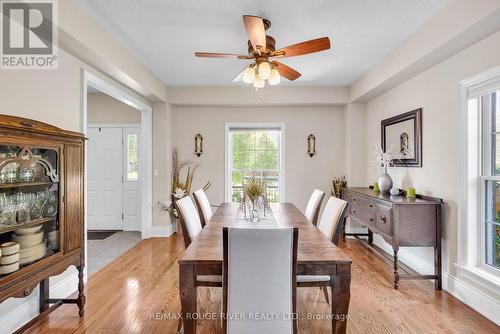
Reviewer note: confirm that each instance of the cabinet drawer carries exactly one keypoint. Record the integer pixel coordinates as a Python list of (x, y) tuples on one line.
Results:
[(363, 210), (384, 221)]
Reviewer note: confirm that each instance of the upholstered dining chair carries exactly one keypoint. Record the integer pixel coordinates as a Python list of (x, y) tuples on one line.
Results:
[(314, 205), (191, 226), (203, 205), (331, 225), (259, 277)]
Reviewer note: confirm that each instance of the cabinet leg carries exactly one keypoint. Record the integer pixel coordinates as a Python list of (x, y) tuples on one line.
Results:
[(370, 237), (437, 268), (44, 295), (396, 274), (81, 296)]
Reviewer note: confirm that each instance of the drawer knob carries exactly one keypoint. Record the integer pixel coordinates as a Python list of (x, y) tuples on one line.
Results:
[(383, 219), (354, 200), (353, 211), (371, 219), (371, 205)]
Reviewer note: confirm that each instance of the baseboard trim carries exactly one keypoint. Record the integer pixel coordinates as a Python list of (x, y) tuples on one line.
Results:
[(162, 231), (22, 314), (472, 297)]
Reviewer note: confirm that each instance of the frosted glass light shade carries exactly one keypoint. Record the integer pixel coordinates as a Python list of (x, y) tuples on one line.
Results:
[(248, 75), (258, 82), (275, 78), (265, 70)]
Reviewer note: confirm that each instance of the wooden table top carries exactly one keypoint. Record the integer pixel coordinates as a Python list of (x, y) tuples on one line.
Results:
[(313, 248), (399, 199)]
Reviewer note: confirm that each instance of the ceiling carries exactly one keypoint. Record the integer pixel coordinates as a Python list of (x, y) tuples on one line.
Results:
[(164, 34)]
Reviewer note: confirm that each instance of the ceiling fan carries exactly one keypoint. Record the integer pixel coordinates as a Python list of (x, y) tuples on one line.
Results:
[(262, 52)]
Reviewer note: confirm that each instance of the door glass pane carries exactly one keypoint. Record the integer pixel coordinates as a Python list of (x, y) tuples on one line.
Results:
[(132, 162)]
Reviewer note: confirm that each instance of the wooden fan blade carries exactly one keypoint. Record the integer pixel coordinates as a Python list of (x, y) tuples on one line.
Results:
[(256, 32), (219, 55), (314, 45), (286, 71)]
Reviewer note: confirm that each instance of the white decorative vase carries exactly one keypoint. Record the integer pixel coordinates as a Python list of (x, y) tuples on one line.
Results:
[(385, 182)]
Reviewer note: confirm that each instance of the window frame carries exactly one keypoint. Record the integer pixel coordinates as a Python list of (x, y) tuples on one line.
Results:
[(229, 126), (474, 171)]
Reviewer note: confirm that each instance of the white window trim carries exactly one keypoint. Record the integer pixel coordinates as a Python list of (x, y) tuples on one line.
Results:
[(470, 198), (253, 125)]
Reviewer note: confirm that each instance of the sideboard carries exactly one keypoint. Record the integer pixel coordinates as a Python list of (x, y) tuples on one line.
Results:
[(401, 221)]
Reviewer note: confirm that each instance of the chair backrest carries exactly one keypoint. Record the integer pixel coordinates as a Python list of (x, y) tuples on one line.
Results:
[(314, 205), (333, 219), (203, 205), (259, 277), (189, 219)]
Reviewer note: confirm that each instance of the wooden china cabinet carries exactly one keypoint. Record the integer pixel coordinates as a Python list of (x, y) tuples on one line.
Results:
[(41, 190)]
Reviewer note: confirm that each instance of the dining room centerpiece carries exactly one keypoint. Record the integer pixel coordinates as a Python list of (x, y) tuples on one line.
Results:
[(385, 161), (178, 188), (254, 204)]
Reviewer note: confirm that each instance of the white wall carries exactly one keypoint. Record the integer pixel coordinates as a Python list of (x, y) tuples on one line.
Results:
[(436, 91), (302, 173), (102, 108)]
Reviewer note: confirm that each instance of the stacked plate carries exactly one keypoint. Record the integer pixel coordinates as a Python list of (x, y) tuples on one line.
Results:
[(53, 239), (31, 242), (9, 261)]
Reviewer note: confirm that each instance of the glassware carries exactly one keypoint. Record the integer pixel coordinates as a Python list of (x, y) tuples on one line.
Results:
[(34, 211), (22, 212), (26, 175), (41, 199), (9, 211), (50, 209)]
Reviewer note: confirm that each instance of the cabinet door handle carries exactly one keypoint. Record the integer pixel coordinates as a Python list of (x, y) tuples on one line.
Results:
[(383, 219)]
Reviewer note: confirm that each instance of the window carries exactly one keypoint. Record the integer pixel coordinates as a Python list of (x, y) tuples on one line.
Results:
[(490, 178), (479, 187), (132, 162), (254, 152)]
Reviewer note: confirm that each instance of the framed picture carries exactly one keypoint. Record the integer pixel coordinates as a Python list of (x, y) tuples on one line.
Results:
[(402, 138)]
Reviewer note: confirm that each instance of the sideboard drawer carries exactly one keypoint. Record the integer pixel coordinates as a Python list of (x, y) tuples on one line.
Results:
[(363, 210), (384, 222)]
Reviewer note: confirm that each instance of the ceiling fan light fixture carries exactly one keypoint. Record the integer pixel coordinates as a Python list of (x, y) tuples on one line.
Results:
[(248, 75), (264, 70), (275, 78), (258, 82)]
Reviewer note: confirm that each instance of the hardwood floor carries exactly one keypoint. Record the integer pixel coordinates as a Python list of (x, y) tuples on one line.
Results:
[(130, 294)]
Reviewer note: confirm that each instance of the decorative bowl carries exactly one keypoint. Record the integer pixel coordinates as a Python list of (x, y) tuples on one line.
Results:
[(9, 259), (9, 248), (9, 268), (28, 230)]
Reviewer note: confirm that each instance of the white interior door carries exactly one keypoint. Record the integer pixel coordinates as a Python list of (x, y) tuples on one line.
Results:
[(131, 180), (104, 179)]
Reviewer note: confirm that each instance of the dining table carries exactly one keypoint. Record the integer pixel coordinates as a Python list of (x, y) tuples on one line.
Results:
[(317, 255)]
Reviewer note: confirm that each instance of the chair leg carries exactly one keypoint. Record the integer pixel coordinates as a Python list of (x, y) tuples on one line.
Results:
[(325, 292)]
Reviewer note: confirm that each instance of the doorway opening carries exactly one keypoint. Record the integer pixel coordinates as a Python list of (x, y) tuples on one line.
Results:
[(118, 171)]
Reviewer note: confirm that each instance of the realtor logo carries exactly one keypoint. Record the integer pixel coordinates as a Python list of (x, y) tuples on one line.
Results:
[(29, 34)]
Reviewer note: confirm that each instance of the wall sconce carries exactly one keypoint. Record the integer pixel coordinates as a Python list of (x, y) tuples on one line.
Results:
[(198, 144), (311, 145)]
